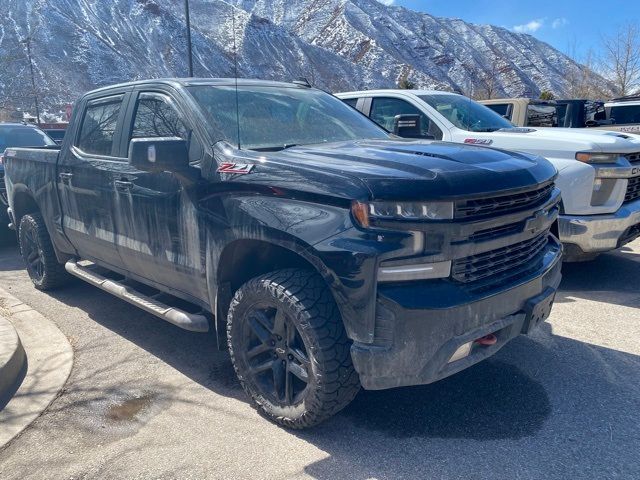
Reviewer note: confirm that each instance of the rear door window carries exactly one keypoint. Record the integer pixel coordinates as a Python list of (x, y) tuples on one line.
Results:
[(625, 114), (351, 101), (502, 109), (99, 126), (384, 111)]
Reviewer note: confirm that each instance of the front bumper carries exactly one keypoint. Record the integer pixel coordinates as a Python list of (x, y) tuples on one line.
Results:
[(600, 233), (419, 327)]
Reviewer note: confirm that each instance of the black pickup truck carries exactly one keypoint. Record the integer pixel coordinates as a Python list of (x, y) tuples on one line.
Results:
[(333, 254)]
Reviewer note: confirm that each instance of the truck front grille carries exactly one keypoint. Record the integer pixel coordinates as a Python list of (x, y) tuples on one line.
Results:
[(489, 264), (482, 207), (633, 190), (633, 157)]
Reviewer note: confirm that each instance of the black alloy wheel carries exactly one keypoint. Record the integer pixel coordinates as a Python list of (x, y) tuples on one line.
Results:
[(289, 348), (36, 248), (276, 355)]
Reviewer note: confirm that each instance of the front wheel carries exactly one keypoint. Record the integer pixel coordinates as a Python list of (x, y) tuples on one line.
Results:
[(289, 348), (38, 253)]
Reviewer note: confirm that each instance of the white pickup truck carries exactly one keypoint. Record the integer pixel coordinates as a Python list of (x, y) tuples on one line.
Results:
[(599, 171)]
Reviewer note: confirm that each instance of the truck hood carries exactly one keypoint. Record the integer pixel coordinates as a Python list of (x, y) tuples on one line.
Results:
[(554, 141), (408, 169)]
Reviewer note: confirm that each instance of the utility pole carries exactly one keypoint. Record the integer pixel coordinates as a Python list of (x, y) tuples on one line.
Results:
[(189, 53), (33, 77)]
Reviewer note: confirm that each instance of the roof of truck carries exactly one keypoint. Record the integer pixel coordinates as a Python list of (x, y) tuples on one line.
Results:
[(202, 81), (396, 90)]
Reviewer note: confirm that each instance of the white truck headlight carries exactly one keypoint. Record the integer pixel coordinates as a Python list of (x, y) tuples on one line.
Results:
[(364, 212), (593, 157)]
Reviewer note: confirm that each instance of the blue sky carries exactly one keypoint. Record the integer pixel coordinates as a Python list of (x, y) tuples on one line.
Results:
[(559, 22)]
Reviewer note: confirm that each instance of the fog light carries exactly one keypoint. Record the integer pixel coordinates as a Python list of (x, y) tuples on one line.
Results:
[(415, 271)]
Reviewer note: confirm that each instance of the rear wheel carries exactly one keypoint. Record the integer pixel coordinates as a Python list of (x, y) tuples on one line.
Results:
[(289, 348), (37, 251)]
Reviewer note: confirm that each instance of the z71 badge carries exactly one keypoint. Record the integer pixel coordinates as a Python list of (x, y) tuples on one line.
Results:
[(237, 168), (478, 141)]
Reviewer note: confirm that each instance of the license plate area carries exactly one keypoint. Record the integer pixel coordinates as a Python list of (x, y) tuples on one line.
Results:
[(538, 310)]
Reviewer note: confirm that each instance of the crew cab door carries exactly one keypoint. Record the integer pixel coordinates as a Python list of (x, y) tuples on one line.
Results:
[(159, 232), (85, 179)]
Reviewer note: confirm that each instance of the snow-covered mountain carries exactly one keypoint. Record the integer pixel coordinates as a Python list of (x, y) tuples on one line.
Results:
[(77, 45)]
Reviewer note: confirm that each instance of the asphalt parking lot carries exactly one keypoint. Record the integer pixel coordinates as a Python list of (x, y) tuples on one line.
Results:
[(147, 400)]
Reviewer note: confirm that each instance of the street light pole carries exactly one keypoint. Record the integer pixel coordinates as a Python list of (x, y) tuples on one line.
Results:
[(33, 78), (189, 53)]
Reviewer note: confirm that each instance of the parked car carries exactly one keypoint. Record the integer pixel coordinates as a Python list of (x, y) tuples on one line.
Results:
[(622, 115), (599, 171), (16, 135), (527, 112), (332, 254), (625, 114)]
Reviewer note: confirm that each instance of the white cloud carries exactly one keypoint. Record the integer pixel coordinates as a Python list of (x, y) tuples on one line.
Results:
[(531, 27), (387, 2), (559, 22)]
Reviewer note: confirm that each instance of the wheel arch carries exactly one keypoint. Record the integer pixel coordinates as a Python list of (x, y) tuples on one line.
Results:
[(23, 203), (244, 259)]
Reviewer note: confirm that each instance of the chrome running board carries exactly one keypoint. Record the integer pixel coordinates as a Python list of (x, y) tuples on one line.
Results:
[(194, 322)]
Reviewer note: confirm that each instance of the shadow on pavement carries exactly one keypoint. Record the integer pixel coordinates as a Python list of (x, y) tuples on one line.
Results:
[(10, 258), (610, 278), (545, 406), (196, 355), (568, 408)]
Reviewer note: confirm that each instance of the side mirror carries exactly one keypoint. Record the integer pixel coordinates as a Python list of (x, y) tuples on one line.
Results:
[(161, 154), (408, 126)]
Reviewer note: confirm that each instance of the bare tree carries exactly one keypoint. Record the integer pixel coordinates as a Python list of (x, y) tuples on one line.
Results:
[(485, 83), (582, 79), (621, 60)]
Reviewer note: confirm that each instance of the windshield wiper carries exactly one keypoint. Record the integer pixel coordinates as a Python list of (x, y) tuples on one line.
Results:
[(490, 129), (275, 148)]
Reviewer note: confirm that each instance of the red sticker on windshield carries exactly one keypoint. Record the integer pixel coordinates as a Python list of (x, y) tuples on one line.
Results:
[(237, 168)]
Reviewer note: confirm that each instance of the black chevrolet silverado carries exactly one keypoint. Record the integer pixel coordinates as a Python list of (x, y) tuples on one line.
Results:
[(333, 254)]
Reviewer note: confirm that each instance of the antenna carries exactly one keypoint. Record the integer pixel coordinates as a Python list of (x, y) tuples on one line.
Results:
[(235, 70), (302, 81)]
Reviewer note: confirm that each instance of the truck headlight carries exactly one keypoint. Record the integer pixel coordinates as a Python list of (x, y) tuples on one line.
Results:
[(364, 212), (592, 157)]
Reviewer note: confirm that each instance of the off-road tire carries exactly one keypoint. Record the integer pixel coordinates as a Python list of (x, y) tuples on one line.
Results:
[(32, 235), (308, 304)]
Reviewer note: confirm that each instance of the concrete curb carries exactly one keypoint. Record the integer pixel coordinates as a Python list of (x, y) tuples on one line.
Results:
[(49, 359), (13, 361)]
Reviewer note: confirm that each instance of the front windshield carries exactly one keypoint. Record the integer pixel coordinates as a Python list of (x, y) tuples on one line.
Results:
[(19, 136), (466, 114), (273, 118)]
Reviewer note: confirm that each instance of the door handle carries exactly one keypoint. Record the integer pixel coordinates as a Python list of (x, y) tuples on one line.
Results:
[(65, 176), (123, 185)]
